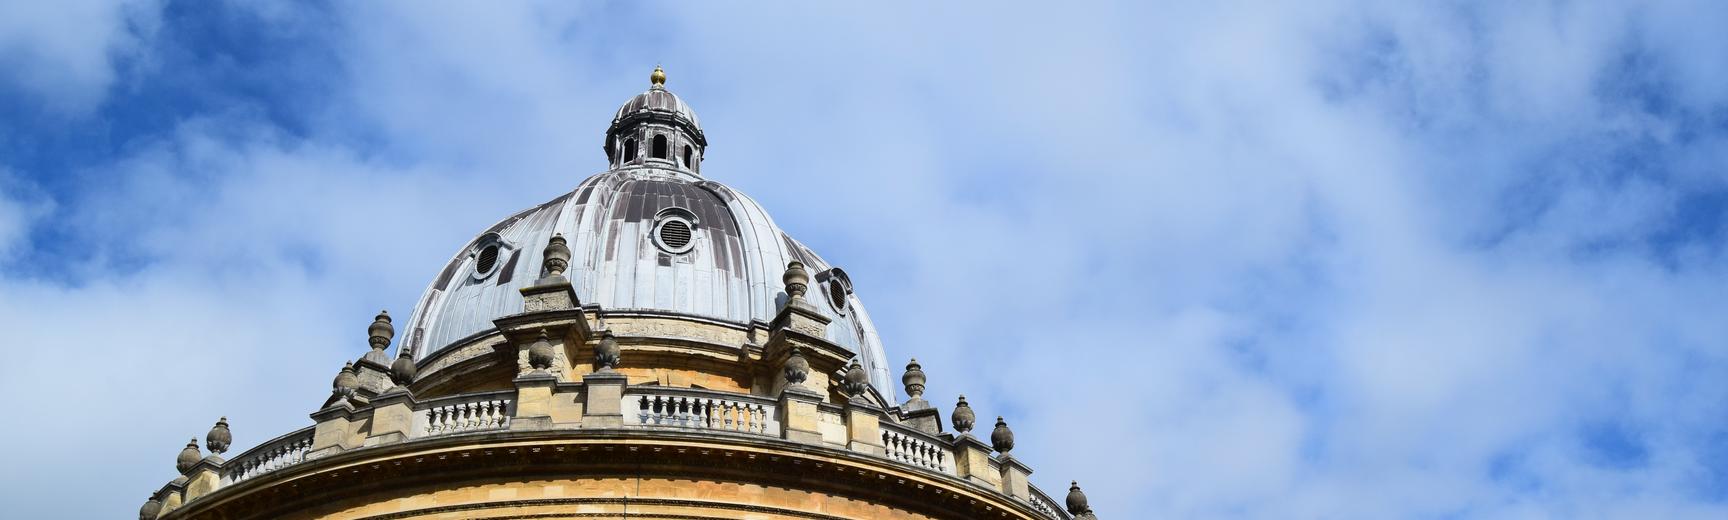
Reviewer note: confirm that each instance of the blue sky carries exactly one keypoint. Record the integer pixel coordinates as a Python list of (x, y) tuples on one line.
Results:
[(1333, 259)]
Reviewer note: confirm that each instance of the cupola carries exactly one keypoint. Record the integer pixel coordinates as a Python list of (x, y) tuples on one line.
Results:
[(655, 129)]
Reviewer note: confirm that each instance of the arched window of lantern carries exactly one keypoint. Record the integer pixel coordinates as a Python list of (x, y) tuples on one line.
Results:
[(629, 150), (659, 146)]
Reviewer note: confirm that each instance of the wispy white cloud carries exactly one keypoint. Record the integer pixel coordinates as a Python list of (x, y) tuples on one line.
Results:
[(63, 53)]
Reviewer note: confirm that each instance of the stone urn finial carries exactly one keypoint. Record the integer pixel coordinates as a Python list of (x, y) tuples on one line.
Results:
[(346, 382), (857, 381), (1077, 499), (914, 380), (188, 457), (540, 353), (381, 331), (151, 509), (962, 416), (403, 370), (556, 258), (607, 353), (797, 279), (219, 437), (797, 368), (1002, 438)]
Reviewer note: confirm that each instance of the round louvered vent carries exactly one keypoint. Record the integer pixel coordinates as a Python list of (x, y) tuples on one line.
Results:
[(488, 260), (837, 294), (675, 231), (675, 234)]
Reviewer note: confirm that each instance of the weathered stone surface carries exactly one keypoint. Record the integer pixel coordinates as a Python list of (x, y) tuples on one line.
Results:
[(604, 405)]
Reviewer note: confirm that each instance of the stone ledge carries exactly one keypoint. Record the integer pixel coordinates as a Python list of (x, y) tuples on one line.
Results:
[(450, 460)]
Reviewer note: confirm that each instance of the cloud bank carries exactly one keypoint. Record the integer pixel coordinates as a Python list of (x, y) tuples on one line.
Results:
[(1334, 260)]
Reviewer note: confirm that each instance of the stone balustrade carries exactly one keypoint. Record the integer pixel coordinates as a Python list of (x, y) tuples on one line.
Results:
[(699, 409), (278, 453), (650, 407), (1044, 505), (464, 413), (910, 446)]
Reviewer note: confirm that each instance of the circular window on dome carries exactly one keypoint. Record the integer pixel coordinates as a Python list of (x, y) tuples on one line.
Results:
[(488, 256), (674, 231), (837, 285), (837, 294)]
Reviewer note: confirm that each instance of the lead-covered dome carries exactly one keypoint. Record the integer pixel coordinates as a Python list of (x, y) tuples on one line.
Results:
[(651, 236)]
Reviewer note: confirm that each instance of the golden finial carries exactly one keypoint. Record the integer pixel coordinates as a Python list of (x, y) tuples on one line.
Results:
[(658, 77)]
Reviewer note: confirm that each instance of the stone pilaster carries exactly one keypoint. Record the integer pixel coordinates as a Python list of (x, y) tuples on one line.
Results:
[(172, 498), (334, 430), (603, 407), (1014, 474), (550, 296), (534, 401), (927, 420), (972, 462), (392, 417), (863, 427), (799, 416), (203, 479)]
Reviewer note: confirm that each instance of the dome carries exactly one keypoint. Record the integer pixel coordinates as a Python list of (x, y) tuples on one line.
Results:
[(645, 237), (657, 102)]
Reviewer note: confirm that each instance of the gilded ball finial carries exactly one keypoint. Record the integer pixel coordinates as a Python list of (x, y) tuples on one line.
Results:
[(658, 77)]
